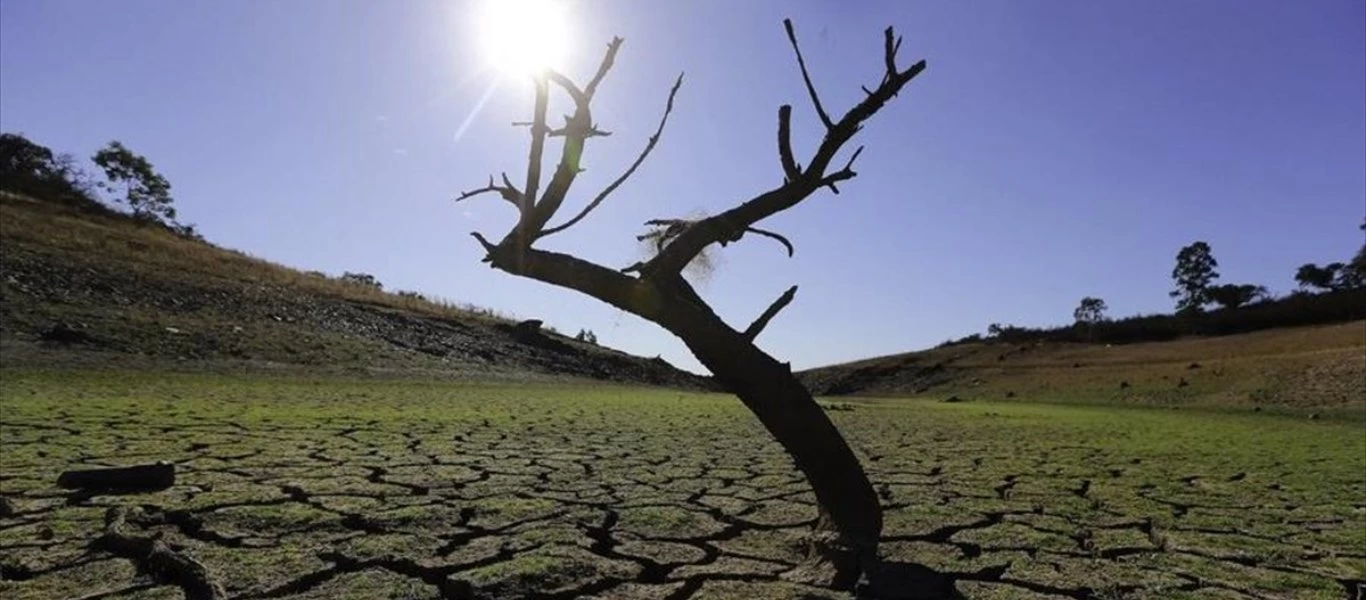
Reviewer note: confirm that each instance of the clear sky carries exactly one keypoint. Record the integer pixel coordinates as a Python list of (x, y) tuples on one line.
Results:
[(1054, 148)]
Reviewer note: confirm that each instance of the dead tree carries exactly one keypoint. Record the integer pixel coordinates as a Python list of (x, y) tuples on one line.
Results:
[(846, 537)]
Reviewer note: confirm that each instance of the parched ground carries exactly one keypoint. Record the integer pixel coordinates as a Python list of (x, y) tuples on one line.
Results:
[(332, 488)]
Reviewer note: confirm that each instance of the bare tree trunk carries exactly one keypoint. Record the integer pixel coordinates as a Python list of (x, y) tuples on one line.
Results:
[(846, 536), (851, 516)]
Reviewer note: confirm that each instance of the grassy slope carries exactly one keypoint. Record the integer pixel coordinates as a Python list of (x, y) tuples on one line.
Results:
[(1320, 367), (304, 488), (143, 295)]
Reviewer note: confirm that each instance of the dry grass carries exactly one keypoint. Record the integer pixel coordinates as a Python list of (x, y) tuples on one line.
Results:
[(1314, 368), (154, 251)]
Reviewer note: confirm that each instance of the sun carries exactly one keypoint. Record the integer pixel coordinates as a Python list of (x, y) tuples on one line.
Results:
[(523, 37)]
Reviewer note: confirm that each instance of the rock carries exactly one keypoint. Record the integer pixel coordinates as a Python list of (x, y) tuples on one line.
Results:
[(63, 334), (173, 331)]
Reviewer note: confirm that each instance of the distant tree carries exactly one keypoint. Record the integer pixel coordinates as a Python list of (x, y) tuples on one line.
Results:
[(362, 279), (994, 330), (1232, 296), (1193, 274), (1353, 274), (1090, 312), (146, 192), (1313, 277)]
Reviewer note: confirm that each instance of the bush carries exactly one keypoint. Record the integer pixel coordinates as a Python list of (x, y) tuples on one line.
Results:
[(33, 170), (586, 336), (362, 279)]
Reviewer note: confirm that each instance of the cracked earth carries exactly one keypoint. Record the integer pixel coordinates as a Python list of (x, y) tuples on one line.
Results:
[(292, 490)]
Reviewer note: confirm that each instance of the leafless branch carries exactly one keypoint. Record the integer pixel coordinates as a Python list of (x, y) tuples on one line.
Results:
[(769, 234), (507, 191), (891, 44), (483, 241), (760, 323), (577, 129), (569, 87), (791, 170), (654, 139), (810, 88), (732, 223), (603, 67), (846, 173), (538, 134)]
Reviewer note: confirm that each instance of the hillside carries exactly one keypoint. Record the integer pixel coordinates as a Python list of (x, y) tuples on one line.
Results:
[(1321, 366), (88, 286)]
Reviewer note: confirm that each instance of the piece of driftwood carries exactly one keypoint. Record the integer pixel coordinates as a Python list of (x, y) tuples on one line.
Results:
[(152, 477), (156, 558)]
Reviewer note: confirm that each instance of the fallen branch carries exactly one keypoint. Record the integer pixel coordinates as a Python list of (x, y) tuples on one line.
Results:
[(154, 557)]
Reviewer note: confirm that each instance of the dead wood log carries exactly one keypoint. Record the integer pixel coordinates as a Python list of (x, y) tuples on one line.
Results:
[(156, 476), (154, 557)]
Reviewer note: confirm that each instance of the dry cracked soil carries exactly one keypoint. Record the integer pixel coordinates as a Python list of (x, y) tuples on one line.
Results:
[(392, 489)]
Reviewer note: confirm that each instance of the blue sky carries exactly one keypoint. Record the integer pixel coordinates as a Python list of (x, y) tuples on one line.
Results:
[(1054, 148)]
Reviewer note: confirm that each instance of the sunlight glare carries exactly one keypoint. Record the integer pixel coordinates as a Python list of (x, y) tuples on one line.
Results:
[(521, 37)]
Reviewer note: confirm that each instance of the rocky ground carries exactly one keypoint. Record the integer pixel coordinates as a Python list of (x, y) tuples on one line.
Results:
[(115, 293)]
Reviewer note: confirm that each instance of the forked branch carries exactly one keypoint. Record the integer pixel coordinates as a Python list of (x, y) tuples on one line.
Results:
[(810, 88), (576, 131), (507, 191), (799, 183), (843, 174), (649, 146)]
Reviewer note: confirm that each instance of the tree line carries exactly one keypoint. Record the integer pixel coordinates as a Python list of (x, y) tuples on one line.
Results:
[(1333, 292)]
